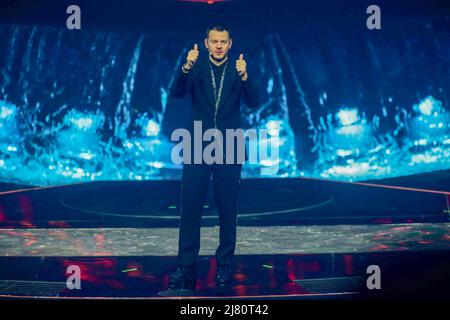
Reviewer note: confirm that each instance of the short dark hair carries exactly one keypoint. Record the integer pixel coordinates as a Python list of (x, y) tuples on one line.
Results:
[(218, 28)]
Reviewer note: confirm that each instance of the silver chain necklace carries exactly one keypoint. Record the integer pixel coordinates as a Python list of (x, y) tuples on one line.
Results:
[(217, 95)]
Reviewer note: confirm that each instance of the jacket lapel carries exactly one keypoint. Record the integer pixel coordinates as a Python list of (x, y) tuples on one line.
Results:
[(227, 86), (209, 90)]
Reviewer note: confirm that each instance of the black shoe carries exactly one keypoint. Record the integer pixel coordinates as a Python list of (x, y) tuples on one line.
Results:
[(224, 278), (184, 278)]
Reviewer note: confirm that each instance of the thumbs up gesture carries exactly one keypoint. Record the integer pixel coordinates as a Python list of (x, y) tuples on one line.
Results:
[(241, 67), (191, 58)]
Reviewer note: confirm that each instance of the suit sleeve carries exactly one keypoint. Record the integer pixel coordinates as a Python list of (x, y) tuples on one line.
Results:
[(181, 85), (250, 94)]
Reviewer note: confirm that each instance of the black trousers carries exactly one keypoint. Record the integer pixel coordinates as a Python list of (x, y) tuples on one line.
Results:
[(194, 189)]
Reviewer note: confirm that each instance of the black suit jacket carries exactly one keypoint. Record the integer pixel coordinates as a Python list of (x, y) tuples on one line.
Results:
[(198, 84)]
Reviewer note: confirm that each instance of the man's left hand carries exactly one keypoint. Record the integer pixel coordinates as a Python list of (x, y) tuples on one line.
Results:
[(241, 67)]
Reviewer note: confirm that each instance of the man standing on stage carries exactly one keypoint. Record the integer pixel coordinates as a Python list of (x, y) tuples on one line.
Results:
[(215, 85)]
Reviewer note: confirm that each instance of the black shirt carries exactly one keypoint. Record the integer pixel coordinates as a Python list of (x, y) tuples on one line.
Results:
[(218, 72)]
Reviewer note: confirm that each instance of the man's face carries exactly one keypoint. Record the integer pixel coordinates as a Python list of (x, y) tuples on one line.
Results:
[(218, 43)]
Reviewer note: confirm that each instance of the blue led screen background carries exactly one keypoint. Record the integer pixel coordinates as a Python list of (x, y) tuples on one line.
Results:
[(341, 101)]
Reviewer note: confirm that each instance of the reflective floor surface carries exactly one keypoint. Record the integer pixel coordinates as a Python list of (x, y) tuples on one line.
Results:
[(297, 239)]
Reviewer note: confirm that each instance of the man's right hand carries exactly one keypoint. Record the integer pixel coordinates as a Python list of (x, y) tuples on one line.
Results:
[(191, 58)]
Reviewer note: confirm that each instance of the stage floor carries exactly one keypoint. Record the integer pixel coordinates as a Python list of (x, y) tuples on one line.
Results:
[(297, 239), (251, 240)]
